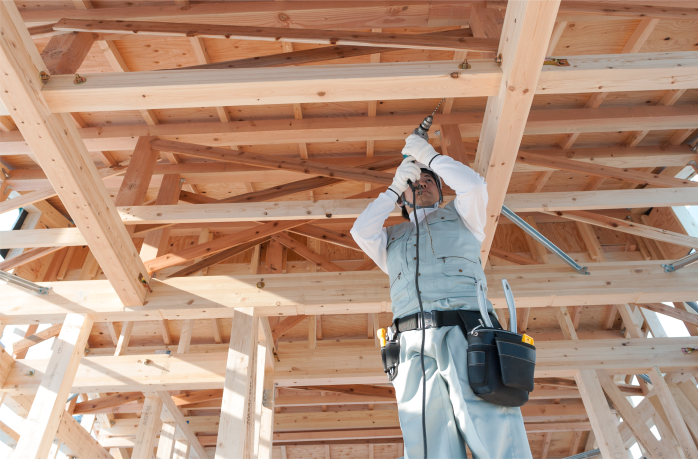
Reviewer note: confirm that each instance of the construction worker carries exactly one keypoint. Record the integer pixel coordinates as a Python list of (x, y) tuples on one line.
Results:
[(449, 267)]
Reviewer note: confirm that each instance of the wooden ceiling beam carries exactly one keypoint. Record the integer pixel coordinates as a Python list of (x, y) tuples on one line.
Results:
[(284, 35), (66, 160), (394, 81), (347, 292), (389, 127), (341, 362), (579, 10), (349, 15), (295, 211), (626, 175)]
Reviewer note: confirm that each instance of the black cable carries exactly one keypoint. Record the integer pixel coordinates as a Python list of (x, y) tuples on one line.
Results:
[(421, 310)]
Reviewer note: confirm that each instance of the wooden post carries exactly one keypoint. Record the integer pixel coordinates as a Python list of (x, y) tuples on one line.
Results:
[(148, 427), (48, 407), (602, 419), (528, 26), (263, 448), (243, 344)]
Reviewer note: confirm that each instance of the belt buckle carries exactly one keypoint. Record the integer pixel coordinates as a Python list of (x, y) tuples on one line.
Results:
[(428, 320)]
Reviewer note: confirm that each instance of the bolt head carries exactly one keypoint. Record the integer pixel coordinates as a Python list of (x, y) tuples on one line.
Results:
[(31, 373), (260, 284)]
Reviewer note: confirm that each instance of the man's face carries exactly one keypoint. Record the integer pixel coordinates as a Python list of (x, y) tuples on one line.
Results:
[(428, 195)]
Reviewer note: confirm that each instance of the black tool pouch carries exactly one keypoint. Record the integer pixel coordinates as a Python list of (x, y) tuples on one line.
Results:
[(500, 364), (390, 353)]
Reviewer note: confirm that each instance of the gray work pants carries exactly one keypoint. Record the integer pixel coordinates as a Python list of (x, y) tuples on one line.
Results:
[(454, 414)]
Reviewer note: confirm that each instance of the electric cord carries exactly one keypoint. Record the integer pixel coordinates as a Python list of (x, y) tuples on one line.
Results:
[(421, 311)]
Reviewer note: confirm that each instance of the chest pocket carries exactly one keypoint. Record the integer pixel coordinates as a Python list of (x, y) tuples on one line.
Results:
[(399, 293), (445, 231), (459, 276)]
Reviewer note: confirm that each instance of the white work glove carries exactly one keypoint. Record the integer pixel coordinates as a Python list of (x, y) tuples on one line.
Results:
[(419, 148), (407, 170)]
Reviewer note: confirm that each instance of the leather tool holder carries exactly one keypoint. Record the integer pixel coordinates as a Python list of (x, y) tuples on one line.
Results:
[(500, 364), (390, 354)]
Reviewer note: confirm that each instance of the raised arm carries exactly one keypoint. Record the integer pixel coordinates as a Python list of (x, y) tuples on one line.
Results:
[(368, 229), (470, 187)]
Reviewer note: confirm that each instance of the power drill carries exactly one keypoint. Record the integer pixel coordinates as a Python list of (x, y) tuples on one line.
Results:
[(423, 129)]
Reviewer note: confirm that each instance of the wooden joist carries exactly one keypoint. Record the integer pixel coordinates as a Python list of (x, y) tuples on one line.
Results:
[(350, 15), (519, 202), (274, 34), (395, 81), (337, 362), (397, 127), (345, 293)]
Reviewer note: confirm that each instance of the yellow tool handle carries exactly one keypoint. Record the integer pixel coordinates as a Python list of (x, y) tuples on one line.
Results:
[(381, 333)]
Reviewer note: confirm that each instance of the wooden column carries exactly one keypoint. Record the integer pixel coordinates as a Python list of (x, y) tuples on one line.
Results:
[(526, 33), (602, 419), (603, 422), (263, 448), (64, 158), (148, 428), (48, 407), (243, 344)]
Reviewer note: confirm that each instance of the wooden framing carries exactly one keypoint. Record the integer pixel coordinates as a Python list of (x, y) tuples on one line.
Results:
[(185, 157)]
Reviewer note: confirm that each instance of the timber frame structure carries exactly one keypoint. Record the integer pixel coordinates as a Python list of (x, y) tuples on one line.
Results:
[(191, 170)]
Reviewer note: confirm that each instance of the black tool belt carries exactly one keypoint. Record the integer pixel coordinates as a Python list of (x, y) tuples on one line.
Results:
[(500, 363)]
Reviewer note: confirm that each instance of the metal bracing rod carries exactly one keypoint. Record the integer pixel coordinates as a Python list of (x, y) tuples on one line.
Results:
[(521, 223), (586, 454), (681, 263), (693, 305), (24, 283)]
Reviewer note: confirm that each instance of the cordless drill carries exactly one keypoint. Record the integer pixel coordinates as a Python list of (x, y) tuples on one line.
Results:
[(423, 129)]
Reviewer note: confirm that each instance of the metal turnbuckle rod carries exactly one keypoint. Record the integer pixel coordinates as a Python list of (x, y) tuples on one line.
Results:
[(531, 231), (681, 263), (24, 283)]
